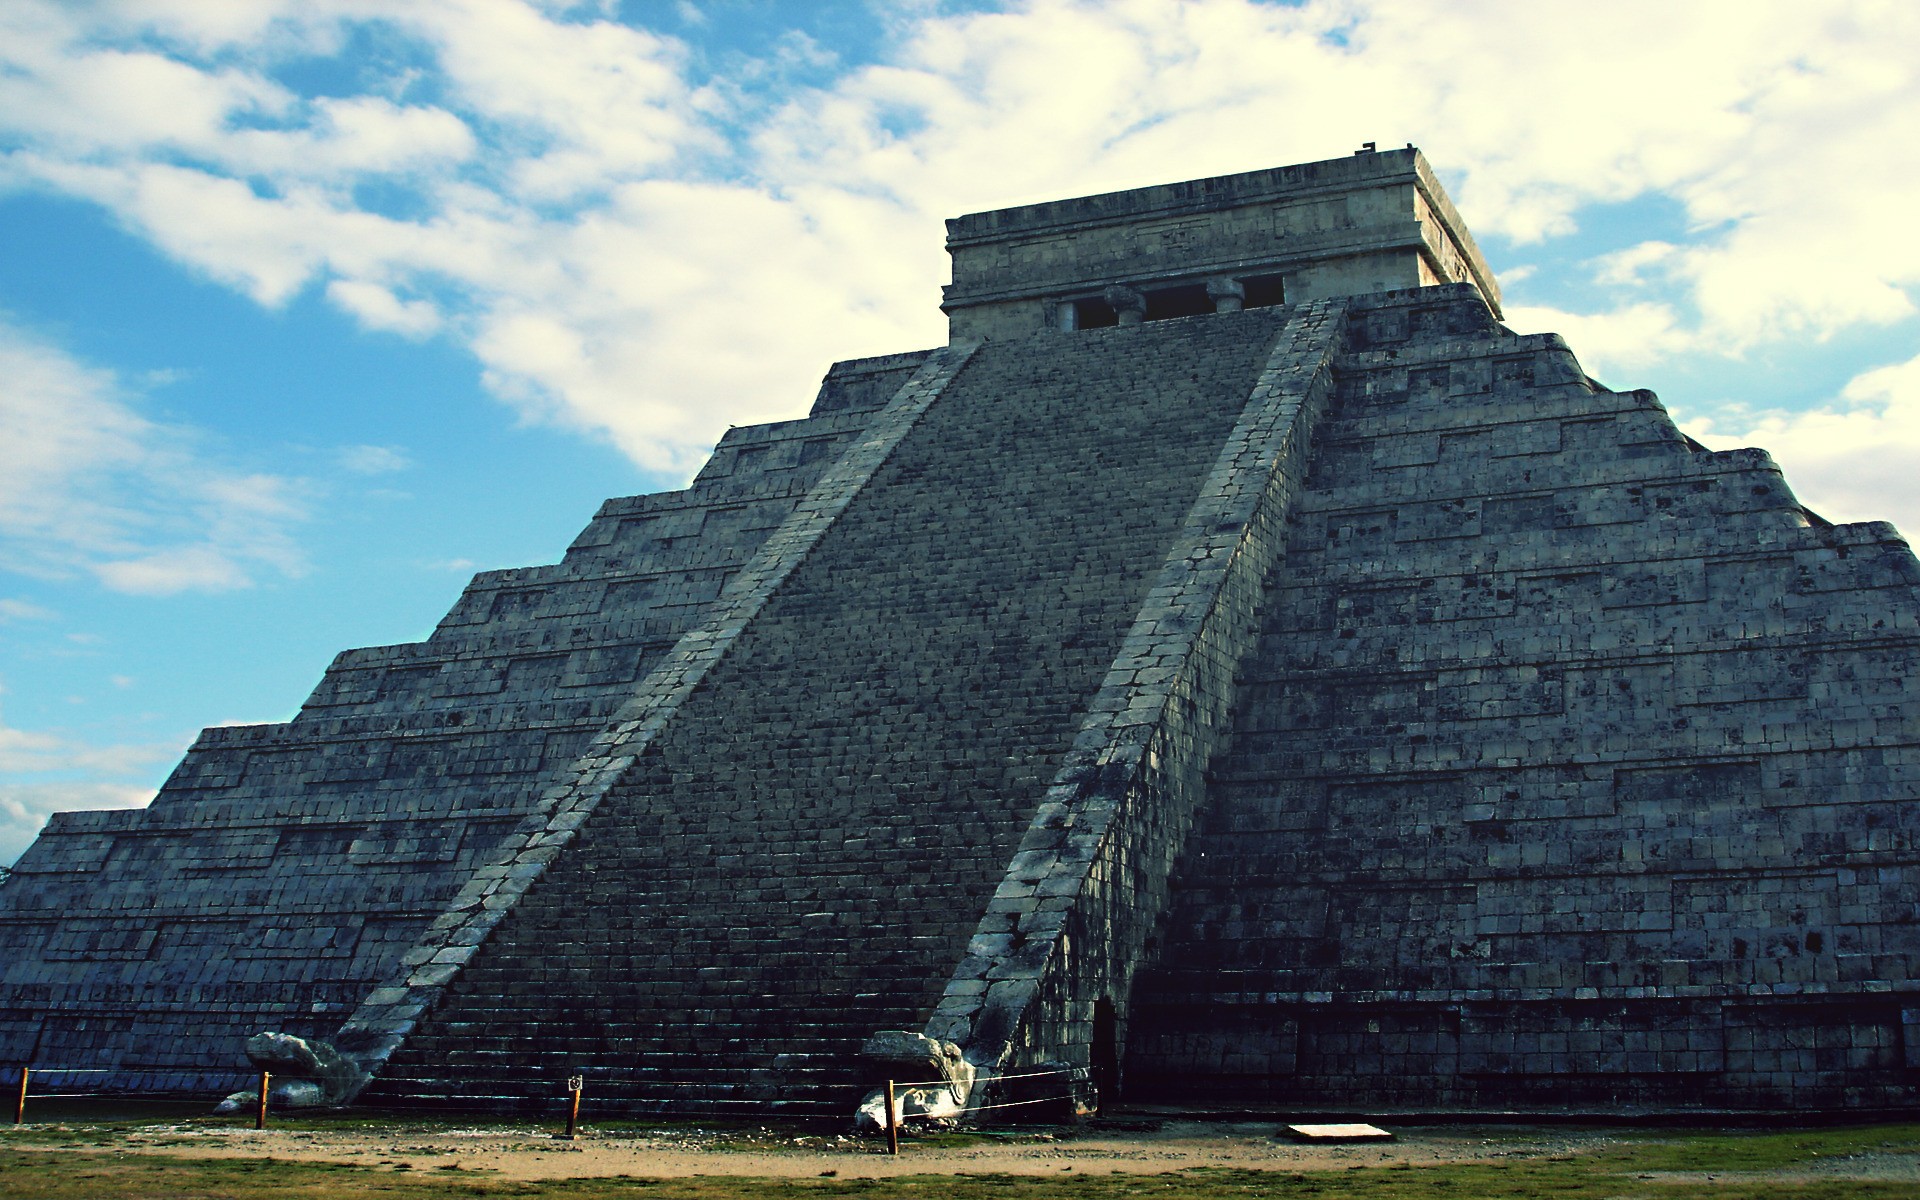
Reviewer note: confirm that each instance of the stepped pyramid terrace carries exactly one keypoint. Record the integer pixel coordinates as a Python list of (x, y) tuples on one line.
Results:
[(1235, 669)]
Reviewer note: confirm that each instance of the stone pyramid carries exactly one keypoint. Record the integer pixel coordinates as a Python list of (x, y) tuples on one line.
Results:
[(1235, 669)]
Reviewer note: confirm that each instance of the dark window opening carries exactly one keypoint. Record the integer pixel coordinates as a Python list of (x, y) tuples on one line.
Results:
[(1189, 301), (1105, 1055), (1094, 314), (1264, 291)]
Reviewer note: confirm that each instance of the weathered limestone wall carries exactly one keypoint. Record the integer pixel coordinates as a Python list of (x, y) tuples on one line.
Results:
[(1578, 766), (1358, 274), (1339, 702), (391, 1012), (1067, 923), (1366, 223), (801, 852), (284, 870)]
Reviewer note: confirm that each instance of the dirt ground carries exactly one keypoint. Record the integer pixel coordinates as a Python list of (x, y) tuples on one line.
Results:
[(533, 1154)]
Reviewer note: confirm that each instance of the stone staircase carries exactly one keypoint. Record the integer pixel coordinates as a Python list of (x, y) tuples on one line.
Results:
[(284, 869), (799, 857)]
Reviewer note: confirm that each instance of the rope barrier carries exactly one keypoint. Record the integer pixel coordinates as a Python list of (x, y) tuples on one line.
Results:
[(626, 1099), (1071, 1072), (616, 1080), (605, 1078), (620, 1082), (1019, 1103), (473, 1087), (193, 1097), (614, 1075), (139, 1071)]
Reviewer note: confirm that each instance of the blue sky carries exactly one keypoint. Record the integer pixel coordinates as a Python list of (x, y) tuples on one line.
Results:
[(311, 308)]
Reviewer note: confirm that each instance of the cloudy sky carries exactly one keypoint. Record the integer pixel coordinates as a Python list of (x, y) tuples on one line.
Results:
[(311, 308)]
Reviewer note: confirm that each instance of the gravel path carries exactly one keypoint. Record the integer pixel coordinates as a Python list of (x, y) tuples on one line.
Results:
[(536, 1154)]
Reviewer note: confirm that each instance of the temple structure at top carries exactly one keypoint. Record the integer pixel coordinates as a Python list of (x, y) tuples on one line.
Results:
[(1374, 222)]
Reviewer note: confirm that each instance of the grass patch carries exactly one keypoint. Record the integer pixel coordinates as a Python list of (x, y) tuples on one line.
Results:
[(30, 1175), (84, 1162), (1769, 1150)]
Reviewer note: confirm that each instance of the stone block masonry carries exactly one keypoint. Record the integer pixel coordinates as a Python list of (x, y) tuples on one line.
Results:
[(1249, 674), (1576, 765), (803, 850), (285, 871), (1369, 223), (1069, 920), (391, 1012)]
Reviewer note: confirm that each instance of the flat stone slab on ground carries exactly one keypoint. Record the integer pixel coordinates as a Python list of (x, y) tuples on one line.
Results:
[(1339, 1133)]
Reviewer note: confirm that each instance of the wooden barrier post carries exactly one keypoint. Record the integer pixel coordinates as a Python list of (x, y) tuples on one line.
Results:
[(893, 1122), (576, 1084), (20, 1104), (260, 1117)]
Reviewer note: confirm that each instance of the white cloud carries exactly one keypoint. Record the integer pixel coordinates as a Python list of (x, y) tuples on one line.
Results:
[(379, 308), (374, 460), (590, 102), (88, 485), (1630, 267), (1609, 342), (25, 807), (1849, 460), (584, 215), (43, 773), (345, 137), (565, 197), (22, 610), (27, 753)]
